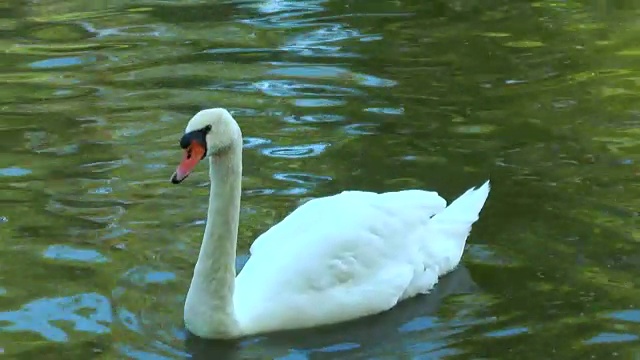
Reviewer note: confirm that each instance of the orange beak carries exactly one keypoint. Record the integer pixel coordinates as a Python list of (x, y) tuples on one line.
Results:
[(192, 156)]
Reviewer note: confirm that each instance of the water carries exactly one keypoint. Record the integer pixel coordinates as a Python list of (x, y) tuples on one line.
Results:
[(97, 246)]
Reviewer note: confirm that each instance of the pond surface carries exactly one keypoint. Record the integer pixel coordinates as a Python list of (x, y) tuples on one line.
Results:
[(97, 247)]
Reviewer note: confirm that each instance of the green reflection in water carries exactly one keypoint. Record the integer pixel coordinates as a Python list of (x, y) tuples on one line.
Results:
[(542, 97)]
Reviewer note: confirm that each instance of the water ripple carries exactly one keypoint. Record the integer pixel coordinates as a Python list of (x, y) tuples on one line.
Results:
[(626, 315), (319, 102), (282, 13), (296, 151), (288, 88), (322, 42), (301, 178), (65, 252), (89, 312), (14, 172), (313, 118), (62, 62), (144, 275), (612, 337), (385, 110), (252, 142)]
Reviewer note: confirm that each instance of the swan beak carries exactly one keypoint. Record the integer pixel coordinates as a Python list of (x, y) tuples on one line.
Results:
[(192, 156)]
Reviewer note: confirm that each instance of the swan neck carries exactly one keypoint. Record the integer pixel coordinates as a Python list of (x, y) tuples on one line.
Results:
[(209, 310)]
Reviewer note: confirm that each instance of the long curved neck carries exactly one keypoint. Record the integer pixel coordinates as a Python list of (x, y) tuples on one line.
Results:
[(209, 310)]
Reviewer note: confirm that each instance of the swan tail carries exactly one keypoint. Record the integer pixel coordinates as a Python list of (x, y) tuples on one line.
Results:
[(466, 208), (450, 228)]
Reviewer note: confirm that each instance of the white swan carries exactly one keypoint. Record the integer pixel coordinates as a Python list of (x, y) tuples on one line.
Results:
[(333, 259)]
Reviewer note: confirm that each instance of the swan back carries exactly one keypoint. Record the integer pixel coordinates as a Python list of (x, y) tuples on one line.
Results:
[(350, 255)]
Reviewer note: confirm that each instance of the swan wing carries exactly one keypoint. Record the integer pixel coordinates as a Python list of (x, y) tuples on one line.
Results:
[(347, 256), (351, 210)]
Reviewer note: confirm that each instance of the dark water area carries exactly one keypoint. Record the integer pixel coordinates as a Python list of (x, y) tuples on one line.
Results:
[(97, 247)]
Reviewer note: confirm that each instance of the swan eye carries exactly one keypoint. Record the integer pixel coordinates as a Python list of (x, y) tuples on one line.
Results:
[(199, 136)]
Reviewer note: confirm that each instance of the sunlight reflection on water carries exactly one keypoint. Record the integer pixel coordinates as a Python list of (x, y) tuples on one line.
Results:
[(90, 312)]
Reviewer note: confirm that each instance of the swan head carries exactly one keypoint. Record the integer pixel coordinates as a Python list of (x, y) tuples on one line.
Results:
[(209, 132)]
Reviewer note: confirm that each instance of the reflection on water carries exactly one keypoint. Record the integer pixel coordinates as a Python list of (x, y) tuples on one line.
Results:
[(98, 247), (80, 313)]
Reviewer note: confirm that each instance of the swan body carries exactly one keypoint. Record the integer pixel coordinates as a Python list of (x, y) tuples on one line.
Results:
[(333, 259)]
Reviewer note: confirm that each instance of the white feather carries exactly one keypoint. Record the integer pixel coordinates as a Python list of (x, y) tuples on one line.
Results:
[(350, 255)]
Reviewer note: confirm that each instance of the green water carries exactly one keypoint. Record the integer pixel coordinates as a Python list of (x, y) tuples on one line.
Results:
[(97, 247)]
